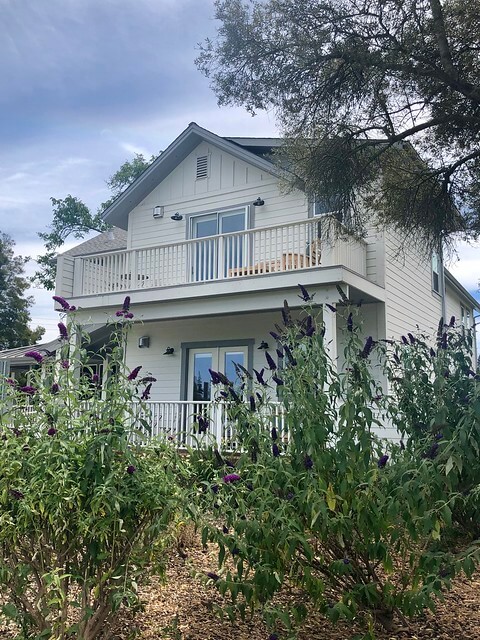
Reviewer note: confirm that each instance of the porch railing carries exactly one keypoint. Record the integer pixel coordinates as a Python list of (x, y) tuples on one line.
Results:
[(199, 424), (300, 245)]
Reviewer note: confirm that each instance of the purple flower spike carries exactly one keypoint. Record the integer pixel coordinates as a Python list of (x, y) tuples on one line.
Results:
[(350, 322), (95, 378), (270, 361), (35, 355), (332, 309), (29, 391), (259, 376), (134, 373), (278, 380), (128, 315), (307, 462), (213, 576), (15, 493), (412, 338), (274, 434), (63, 331), (273, 636), (146, 393), (382, 461), (11, 382), (52, 431), (131, 469), (367, 349), (147, 379), (119, 314), (404, 340), (452, 322), (305, 296), (231, 477), (62, 302), (65, 364), (54, 389), (275, 450), (346, 561), (126, 304)]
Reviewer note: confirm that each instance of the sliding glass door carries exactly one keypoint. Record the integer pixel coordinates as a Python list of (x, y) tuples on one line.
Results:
[(216, 256)]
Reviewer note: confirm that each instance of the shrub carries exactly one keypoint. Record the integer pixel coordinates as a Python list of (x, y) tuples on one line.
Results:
[(347, 520), (85, 504)]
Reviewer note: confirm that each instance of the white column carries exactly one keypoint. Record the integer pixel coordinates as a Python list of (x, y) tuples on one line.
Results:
[(330, 322)]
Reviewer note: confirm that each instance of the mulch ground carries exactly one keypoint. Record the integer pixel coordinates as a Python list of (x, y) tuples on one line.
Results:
[(182, 608)]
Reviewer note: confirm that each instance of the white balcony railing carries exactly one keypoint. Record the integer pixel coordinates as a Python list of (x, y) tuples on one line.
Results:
[(263, 251), (199, 424)]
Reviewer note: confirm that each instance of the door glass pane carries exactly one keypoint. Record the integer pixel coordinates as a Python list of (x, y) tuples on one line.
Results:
[(233, 246), (202, 390), (204, 252), (231, 359)]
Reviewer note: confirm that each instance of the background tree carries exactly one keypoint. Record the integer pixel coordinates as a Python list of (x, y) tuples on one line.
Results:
[(14, 306), (353, 83), (72, 218)]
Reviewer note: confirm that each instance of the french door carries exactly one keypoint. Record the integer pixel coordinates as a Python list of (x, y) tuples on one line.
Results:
[(221, 359), (215, 256)]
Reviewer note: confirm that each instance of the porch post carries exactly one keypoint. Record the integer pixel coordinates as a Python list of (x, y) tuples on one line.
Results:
[(330, 322)]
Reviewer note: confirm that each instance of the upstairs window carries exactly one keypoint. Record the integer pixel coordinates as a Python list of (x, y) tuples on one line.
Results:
[(202, 167), (323, 206), (435, 272)]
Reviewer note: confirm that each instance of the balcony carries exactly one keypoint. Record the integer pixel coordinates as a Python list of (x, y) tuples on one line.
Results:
[(256, 252)]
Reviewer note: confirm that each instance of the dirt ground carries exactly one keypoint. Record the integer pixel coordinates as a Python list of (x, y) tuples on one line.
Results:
[(182, 609)]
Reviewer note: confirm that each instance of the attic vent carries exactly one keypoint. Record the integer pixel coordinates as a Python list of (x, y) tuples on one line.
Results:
[(202, 167)]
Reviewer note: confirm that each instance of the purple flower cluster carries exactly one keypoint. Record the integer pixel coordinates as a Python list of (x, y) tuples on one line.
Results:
[(131, 469), (64, 304), (305, 296), (52, 431), (382, 461), (125, 310), (54, 389), (35, 355), (213, 576), (307, 462), (146, 392), (219, 378), (28, 390), (367, 349), (134, 373), (63, 331), (231, 477), (16, 494)]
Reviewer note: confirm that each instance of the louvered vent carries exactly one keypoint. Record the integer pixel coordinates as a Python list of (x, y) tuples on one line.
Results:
[(202, 167)]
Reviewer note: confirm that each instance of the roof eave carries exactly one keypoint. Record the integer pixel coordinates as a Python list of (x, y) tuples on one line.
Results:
[(461, 290)]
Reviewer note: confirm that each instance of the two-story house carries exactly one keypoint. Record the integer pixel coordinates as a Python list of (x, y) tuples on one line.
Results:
[(211, 248)]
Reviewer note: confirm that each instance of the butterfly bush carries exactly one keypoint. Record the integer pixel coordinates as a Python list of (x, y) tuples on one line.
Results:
[(86, 501), (322, 502)]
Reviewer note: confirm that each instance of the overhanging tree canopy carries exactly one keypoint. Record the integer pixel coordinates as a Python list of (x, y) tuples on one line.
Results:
[(355, 84)]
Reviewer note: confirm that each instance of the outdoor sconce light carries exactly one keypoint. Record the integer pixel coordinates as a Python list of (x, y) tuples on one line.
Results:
[(144, 342), (258, 202), (158, 212), (177, 217), (263, 345), (169, 351)]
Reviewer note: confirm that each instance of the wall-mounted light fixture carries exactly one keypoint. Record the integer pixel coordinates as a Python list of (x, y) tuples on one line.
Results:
[(144, 342), (169, 351), (263, 345), (177, 217), (158, 211), (258, 202)]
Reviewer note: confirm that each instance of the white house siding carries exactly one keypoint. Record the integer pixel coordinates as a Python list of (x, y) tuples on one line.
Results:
[(232, 183), (167, 369), (410, 301)]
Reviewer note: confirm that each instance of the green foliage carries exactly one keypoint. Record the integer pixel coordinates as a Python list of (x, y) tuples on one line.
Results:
[(353, 84), (14, 306), (86, 504), (437, 410), (356, 525), (71, 217)]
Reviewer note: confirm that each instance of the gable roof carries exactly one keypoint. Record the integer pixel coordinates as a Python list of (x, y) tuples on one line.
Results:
[(251, 150)]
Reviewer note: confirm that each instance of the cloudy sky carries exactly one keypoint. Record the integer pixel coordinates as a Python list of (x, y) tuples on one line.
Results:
[(86, 84)]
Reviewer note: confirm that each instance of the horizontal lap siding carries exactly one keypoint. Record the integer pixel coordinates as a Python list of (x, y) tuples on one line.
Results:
[(232, 183), (410, 301), (167, 369)]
